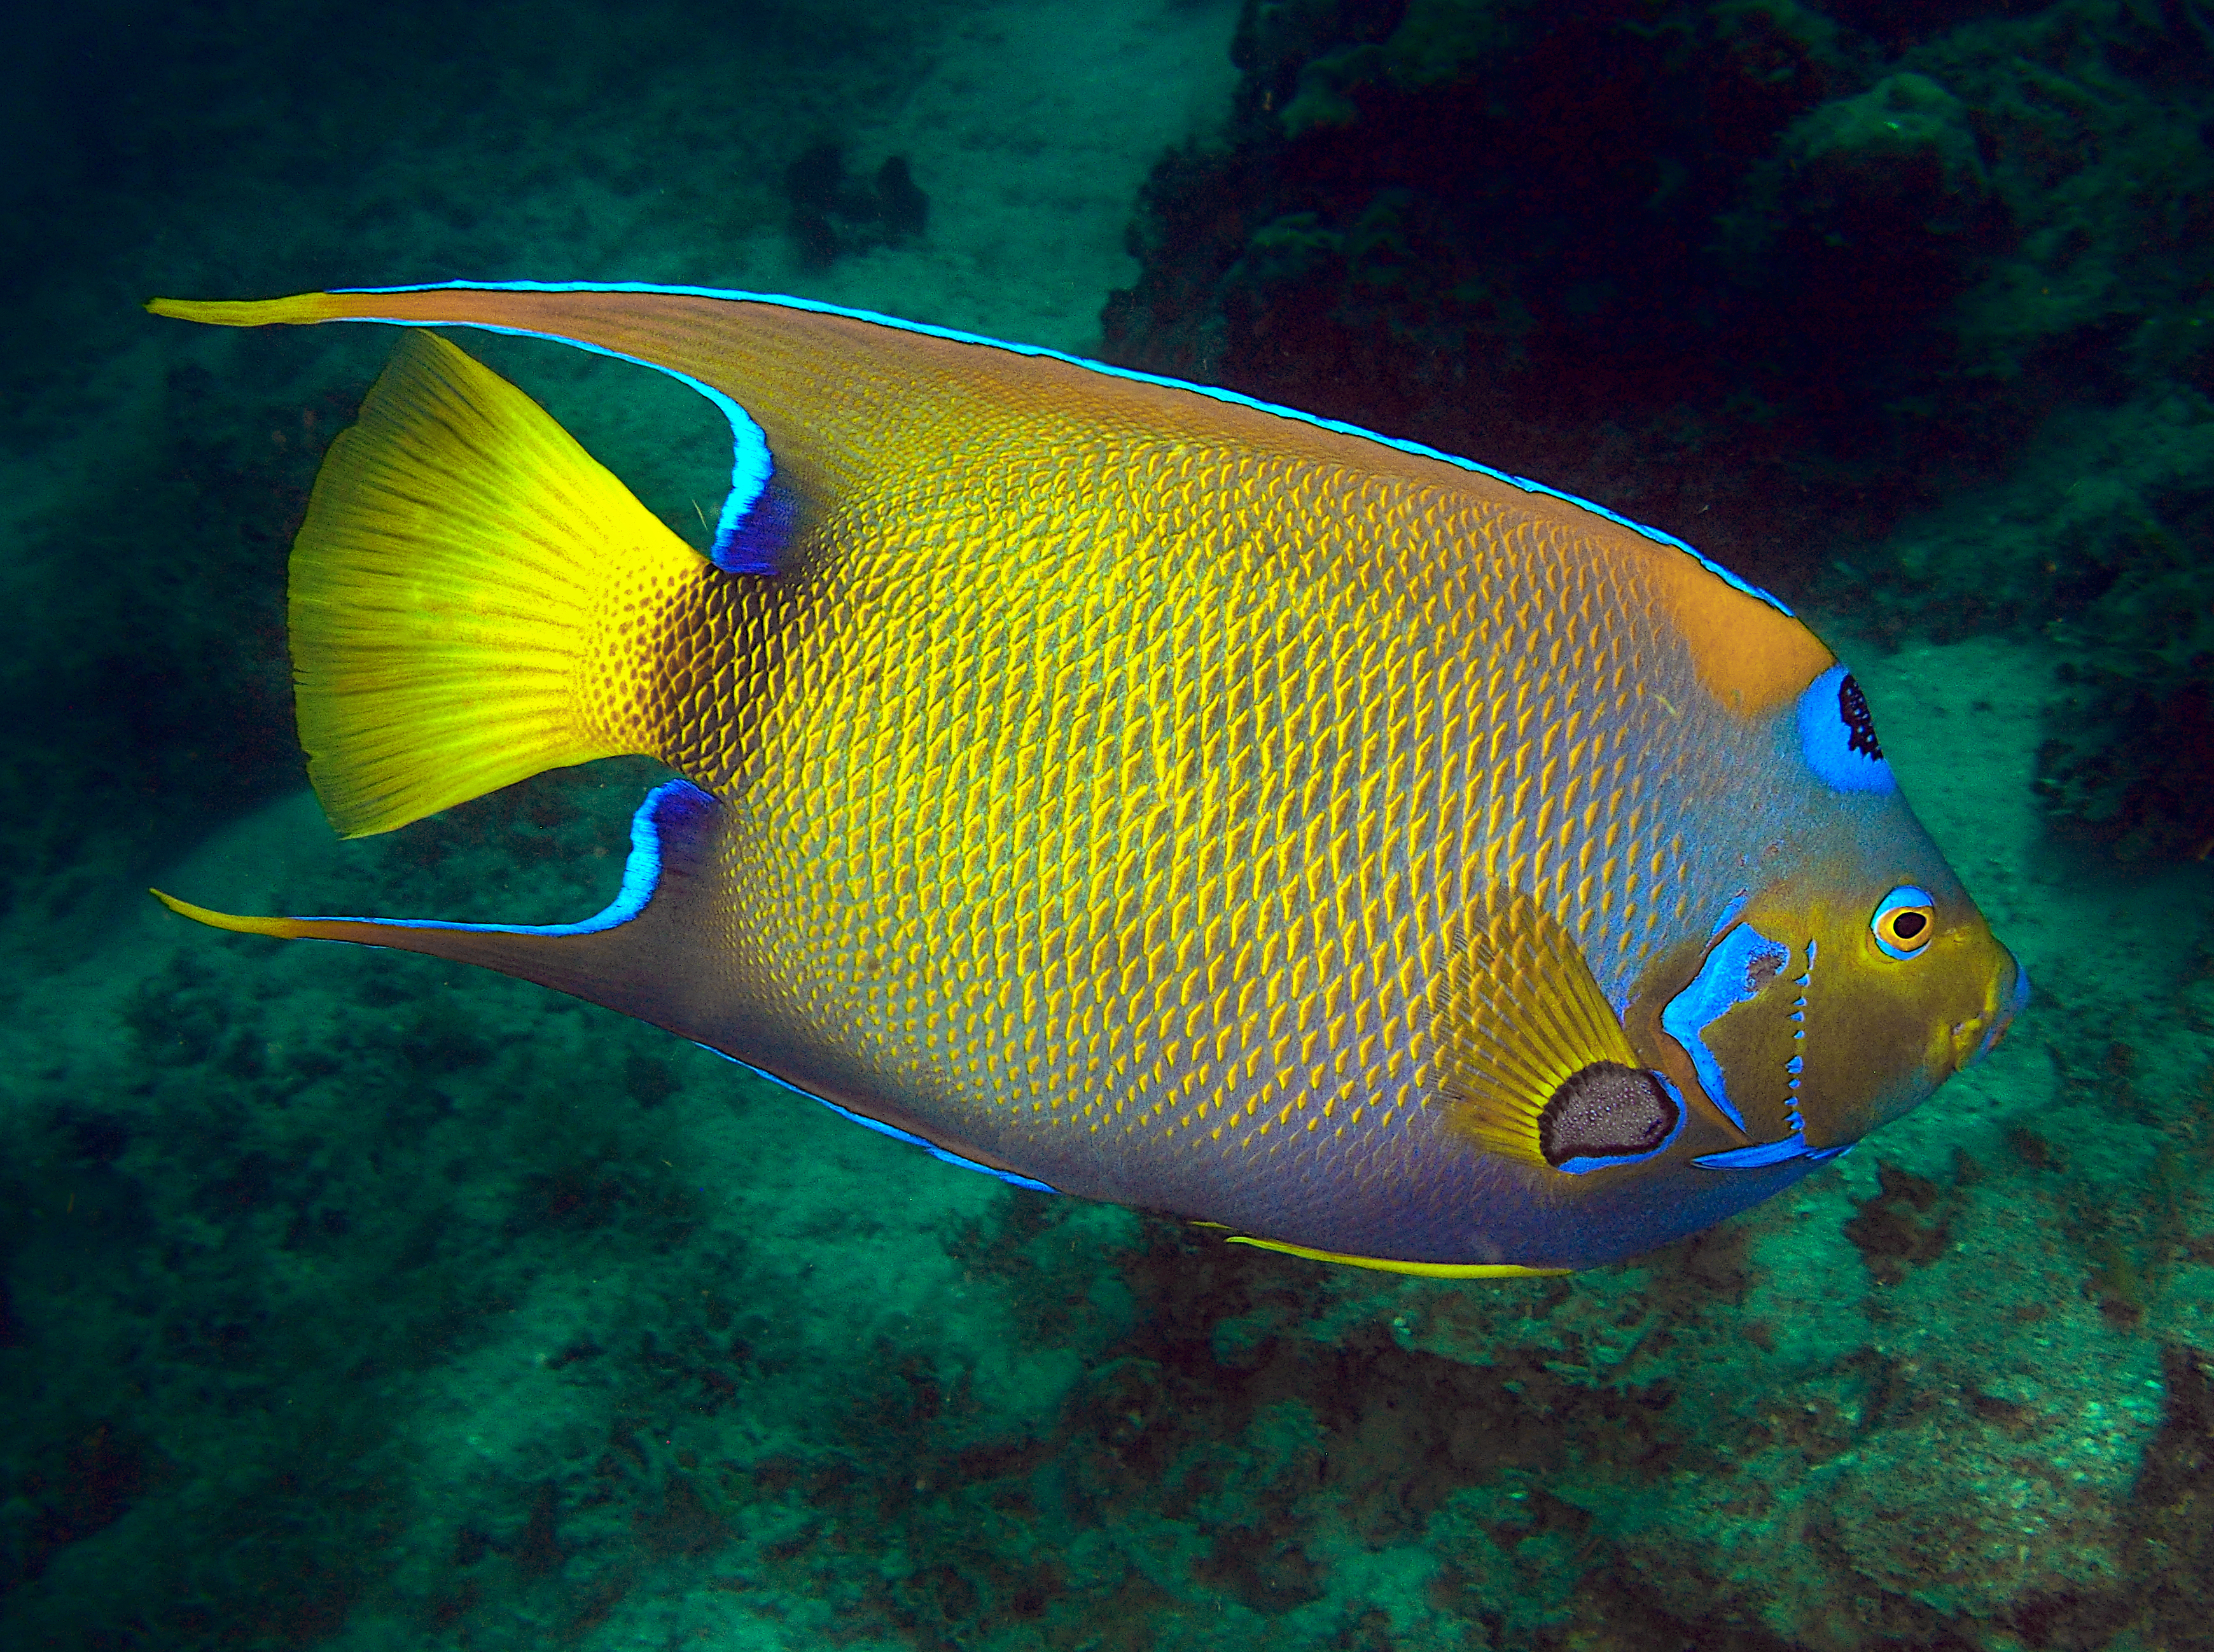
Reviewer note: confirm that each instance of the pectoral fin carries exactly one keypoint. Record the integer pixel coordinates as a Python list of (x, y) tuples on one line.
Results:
[(1533, 1064)]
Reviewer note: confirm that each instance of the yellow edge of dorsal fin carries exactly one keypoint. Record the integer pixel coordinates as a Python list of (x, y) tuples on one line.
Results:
[(1383, 1264), (301, 309), (1518, 1016)]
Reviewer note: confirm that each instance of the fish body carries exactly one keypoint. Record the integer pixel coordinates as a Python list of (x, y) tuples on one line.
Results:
[(1143, 791)]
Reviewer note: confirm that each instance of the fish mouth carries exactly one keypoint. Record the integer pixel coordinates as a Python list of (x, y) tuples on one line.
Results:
[(2000, 1008), (2004, 1000)]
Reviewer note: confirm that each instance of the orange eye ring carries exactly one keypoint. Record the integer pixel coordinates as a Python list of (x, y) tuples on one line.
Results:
[(1903, 921)]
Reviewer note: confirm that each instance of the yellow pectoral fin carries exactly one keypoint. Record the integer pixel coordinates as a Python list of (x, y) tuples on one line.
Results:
[(1425, 1269), (1533, 1062)]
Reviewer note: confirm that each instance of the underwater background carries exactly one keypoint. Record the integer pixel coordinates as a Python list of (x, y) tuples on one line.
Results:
[(356, 1300)]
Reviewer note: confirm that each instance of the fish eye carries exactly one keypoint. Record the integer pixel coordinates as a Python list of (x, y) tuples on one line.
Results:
[(1905, 920)]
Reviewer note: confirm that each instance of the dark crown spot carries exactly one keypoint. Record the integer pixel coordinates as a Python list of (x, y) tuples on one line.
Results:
[(1860, 727), (1607, 1110)]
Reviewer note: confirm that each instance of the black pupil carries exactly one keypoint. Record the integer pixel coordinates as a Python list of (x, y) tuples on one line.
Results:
[(1908, 925), (1860, 727)]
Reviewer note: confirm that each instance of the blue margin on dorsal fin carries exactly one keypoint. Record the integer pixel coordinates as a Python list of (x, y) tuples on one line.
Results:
[(747, 540), (755, 541), (1014, 1178), (753, 466)]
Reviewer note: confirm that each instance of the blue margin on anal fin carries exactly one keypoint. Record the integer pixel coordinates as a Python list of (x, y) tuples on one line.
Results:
[(1014, 1178), (669, 807)]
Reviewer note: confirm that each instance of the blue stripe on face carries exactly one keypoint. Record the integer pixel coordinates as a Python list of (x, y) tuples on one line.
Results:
[(749, 475), (1765, 1154), (1724, 981)]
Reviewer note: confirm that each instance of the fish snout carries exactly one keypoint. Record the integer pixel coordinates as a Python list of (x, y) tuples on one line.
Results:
[(2006, 997)]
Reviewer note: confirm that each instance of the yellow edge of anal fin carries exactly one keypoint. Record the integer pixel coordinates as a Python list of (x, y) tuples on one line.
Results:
[(282, 928), (1424, 1270), (302, 309)]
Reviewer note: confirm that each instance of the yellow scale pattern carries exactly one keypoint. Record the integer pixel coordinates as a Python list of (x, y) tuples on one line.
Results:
[(1109, 781), (1176, 800)]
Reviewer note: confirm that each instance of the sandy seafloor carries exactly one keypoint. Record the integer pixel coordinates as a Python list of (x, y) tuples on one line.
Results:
[(356, 1300)]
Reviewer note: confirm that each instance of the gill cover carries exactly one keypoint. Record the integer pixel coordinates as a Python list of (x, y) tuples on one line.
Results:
[(1812, 1020)]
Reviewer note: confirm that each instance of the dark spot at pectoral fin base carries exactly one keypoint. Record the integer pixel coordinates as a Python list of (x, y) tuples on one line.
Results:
[(1607, 1113), (1534, 1064), (653, 953)]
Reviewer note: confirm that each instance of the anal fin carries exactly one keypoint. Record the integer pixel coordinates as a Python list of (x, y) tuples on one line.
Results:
[(652, 952)]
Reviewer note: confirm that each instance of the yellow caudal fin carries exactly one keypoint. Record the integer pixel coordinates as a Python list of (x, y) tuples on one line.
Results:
[(472, 598)]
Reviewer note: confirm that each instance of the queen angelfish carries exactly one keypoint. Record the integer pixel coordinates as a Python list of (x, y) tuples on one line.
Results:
[(1140, 791)]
